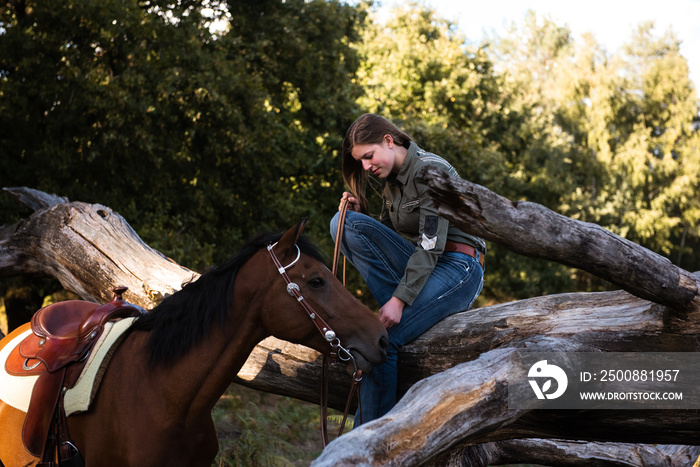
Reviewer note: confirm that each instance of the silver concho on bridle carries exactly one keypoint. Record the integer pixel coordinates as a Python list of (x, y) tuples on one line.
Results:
[(291, 287)]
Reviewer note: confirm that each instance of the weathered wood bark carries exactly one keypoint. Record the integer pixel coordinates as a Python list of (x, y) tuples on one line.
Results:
[(444, 416), (580, 454), (458, 415), (89, 248), (533, 230)]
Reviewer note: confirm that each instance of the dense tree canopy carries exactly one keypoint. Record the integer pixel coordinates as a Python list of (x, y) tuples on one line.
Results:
[(204, 122), (609, 139), (200, 138)]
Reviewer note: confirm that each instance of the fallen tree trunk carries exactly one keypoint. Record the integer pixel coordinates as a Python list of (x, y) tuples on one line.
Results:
[(91, 249), (573, 454), (446, 418), (583, 245)]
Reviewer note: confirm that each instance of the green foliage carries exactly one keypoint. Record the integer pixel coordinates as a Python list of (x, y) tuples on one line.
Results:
[(535, 116), (199, 139), (257, 430), (624, 125)]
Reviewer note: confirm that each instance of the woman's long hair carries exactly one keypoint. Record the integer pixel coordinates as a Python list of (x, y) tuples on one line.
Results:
[(368, 129)]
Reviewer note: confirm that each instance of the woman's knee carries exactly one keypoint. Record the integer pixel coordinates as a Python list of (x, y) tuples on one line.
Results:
[(351, 221), (334, 225)]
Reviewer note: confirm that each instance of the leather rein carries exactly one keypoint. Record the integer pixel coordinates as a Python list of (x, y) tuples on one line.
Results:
[(329, 335)]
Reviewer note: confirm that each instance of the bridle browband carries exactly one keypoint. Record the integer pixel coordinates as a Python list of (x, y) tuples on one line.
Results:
[(329, 335)]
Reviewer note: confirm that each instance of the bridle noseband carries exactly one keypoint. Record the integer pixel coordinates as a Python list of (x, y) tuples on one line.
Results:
[(329, 335)]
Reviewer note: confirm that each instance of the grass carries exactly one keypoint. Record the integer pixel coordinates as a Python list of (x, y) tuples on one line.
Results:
[(258, 429)]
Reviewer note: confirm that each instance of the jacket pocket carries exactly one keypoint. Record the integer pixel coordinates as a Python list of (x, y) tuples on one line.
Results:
[(409, 216), (411, 205)]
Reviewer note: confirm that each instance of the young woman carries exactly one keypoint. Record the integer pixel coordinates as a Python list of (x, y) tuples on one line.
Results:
[(418, 266)]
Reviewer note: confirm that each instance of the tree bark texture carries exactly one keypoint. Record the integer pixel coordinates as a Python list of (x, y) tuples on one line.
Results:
[(455, 409), (533, 230)]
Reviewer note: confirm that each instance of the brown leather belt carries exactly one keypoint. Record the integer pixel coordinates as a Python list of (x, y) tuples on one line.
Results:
[(466, 249)]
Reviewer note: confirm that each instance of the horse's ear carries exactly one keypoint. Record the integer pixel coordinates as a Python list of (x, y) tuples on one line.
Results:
[(300, 228), (290, 238)]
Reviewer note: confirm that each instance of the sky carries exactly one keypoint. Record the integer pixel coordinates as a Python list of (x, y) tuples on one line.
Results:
[(610, 21)]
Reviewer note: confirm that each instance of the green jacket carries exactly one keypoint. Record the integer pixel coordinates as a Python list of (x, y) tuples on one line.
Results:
[(409, 210)]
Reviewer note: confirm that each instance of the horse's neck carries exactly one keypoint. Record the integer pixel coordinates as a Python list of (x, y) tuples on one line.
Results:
[(199, 378)]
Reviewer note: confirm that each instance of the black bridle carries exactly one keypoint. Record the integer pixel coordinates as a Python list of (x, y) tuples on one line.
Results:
[(329, 335)]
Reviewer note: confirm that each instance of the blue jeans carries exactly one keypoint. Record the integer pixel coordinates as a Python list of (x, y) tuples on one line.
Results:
[(380, 255)]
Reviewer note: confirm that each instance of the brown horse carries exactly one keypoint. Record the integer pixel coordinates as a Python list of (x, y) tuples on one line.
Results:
[(154, 404)]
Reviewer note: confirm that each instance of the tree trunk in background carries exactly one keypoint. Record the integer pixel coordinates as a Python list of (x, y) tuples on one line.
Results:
[(533, 230), (456, 411)]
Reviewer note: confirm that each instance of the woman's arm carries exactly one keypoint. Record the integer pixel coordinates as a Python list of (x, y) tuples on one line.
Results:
[(430, 243)]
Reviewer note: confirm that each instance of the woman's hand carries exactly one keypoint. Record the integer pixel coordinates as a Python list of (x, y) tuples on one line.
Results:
[(390, 313), (353, 203)]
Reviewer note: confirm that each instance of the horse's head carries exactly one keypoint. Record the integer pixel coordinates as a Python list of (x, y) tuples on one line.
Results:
[(286, 317)]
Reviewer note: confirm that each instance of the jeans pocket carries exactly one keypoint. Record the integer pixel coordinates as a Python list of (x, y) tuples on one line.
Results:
[(467, 285)]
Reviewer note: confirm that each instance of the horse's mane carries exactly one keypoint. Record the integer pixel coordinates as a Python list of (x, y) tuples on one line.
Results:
[(184, 318)]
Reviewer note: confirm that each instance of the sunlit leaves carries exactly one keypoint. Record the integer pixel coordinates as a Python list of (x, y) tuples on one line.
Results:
[(602, 137), (198, 135), (204, 122)]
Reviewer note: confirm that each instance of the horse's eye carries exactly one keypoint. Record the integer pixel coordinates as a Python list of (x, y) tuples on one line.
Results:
[(317, 283)]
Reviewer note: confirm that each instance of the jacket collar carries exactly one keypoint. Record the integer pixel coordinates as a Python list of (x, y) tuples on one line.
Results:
[(407, 166)]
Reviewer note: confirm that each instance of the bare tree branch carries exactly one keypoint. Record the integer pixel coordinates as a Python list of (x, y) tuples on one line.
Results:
[(533, 230)]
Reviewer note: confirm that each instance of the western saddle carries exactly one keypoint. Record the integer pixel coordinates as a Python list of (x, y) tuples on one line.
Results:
[(63, 335)]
